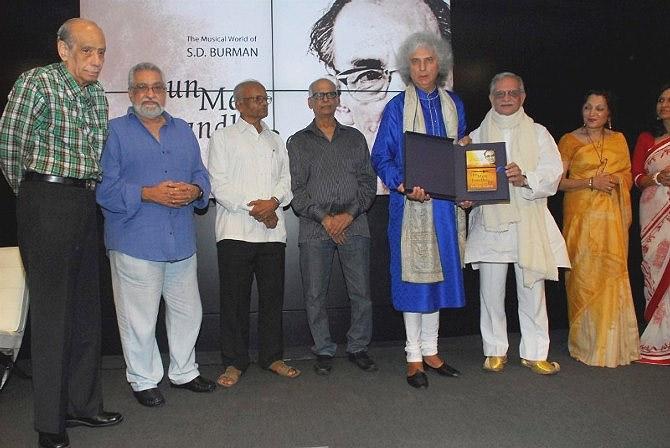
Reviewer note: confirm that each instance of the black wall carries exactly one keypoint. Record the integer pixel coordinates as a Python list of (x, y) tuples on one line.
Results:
[(560, 48)]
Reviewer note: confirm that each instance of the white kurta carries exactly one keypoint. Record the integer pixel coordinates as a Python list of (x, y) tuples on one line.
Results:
[(501, 247)]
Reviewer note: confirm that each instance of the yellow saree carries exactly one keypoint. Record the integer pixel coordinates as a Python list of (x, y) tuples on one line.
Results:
[(603, 327)]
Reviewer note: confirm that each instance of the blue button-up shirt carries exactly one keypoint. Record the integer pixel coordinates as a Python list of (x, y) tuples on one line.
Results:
[(132, 159)]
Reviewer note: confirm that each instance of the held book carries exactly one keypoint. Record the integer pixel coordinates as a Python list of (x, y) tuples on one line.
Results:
[(475, 172)]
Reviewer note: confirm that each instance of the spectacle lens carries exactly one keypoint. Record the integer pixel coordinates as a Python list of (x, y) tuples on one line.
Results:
[(366, 84), (322, 95)]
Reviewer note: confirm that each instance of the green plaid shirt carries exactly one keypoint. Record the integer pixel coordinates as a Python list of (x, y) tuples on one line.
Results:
[(52, 125)]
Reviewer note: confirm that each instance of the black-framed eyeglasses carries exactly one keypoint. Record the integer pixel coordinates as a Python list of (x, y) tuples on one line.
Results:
[(365, 83), (258, 99), (144, 88), (323, 95), (500, 94)]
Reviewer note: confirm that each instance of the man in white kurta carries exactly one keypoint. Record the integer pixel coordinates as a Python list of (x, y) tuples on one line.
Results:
[(522, 232)]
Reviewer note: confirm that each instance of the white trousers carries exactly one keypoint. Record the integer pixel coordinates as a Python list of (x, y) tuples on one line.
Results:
[(421, 330), (138, 286), (532, 313)]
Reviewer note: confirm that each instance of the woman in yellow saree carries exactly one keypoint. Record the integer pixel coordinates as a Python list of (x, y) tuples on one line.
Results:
[(596, 217)]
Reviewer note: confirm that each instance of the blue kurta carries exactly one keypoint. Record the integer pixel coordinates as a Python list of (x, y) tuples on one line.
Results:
[(387, 160)]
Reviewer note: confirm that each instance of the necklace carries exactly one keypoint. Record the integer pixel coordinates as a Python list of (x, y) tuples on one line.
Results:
[(599, 146)]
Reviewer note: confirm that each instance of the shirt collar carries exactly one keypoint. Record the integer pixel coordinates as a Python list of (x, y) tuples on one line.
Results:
[(245, 126), (314, 129), (72, 86), (427, 96)]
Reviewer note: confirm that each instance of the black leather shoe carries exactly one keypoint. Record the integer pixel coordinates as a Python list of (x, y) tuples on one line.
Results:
[(418, 380), (323, 365), (150, 397), (197, 384), (444, 370), (98, 421), (363, 361), (49, 440)]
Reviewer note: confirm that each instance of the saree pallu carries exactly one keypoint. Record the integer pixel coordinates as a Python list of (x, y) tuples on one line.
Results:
[(603, 326), (655, 236)]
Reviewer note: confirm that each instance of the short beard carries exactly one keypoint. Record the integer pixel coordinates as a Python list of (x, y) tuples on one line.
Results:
[(150, 113)]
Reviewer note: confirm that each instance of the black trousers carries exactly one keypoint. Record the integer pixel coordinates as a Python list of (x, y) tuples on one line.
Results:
[(239, 262), (58, 239)]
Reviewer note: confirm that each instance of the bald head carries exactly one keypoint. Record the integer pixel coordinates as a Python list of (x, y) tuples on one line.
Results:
[(70, 26)]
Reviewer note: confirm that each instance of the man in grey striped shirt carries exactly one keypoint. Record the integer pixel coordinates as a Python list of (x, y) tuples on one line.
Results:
[(333, 187)]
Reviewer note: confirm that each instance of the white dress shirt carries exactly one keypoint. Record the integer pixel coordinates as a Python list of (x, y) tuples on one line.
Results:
[(501, 247), (245, 165)]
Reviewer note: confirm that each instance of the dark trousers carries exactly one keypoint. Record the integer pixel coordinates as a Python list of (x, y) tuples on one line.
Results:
[(239, 262), (58, 238)]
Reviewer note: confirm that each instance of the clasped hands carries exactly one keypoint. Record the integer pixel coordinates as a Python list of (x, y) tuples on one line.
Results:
[(604, 182), (171, 194), (264, 211), (336, 225)]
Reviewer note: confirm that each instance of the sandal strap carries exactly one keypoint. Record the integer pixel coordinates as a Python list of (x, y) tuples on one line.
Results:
[(281, 368), (231, 374)]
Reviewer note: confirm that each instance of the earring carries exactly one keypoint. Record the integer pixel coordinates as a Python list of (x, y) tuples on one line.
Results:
[(609, 123)]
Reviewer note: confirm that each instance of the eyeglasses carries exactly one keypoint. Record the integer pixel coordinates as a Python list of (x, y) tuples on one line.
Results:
[(158, 89), (323, 95), (257, 99), (500, 94), (366, 84)]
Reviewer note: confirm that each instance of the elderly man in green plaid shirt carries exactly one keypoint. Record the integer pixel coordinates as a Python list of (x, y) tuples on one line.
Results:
[(51, 138)]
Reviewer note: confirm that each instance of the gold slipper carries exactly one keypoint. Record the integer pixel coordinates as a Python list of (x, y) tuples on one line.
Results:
[(229, 377), (542, 367), (282, 369), (494, 363)]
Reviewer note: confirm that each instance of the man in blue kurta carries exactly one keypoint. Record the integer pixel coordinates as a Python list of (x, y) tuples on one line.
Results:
[(423, 232), (153, 177)]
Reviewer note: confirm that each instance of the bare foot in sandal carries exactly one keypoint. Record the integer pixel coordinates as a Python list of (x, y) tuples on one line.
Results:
[(229, 377), (282, 369)]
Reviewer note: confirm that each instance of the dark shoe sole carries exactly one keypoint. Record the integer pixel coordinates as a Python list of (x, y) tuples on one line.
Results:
[(418, 380), (444, 370), (74, 422), (369, 368)]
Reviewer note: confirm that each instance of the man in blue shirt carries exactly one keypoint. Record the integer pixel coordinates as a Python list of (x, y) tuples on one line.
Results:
[(153, 177)]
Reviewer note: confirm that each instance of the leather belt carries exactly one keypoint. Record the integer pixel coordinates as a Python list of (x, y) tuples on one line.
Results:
[(33, 176)]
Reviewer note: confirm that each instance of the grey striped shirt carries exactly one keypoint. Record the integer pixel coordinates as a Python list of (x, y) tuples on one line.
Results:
[(330, 177)]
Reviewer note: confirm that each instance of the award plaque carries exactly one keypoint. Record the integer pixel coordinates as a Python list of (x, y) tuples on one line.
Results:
[(475, 172)]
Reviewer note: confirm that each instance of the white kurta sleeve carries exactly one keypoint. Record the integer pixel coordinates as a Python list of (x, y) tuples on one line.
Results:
[(543, 180)]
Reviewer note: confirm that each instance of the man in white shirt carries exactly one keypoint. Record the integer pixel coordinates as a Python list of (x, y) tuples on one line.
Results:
[(249, 173), (522, 232)]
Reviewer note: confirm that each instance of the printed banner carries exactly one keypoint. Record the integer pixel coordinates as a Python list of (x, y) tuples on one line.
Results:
[(206, 47)]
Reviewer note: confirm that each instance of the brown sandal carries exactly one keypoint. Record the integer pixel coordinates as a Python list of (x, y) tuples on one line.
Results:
[(229, 377), (282, 369)]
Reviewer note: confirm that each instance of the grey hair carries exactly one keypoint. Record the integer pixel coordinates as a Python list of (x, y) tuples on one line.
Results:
[(237, 91), (433, 42), (315, 82), (503, 75), (142, 66)]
